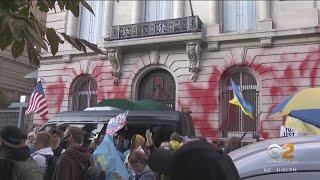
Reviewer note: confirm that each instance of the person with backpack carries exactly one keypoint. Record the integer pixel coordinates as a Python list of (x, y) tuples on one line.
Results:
[(44, 155), (76, 163), (15, 160)]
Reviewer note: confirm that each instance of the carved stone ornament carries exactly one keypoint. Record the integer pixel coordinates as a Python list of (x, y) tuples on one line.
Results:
[(194, 55), (115, 59), (266, 42)]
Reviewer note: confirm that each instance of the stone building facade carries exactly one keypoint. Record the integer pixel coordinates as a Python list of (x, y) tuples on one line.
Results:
[(158, 50)]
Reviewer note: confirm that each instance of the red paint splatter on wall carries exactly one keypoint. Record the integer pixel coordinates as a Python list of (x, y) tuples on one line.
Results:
[(202, 119), (56, 93)]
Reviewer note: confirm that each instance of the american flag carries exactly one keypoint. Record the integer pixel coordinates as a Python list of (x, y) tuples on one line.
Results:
[(38, 102)]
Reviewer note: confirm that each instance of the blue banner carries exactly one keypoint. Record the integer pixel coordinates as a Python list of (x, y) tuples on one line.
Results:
[(106, 157)]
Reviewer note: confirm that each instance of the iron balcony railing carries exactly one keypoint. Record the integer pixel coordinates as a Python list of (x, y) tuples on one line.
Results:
[(157, 28)]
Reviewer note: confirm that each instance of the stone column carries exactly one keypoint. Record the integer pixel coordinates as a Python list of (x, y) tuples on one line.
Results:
[(136, 12), (71, 24), (178, 8), (108, 16), (265, 21), (213, 24)]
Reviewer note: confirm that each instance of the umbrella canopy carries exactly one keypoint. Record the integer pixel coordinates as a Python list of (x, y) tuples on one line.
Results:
[(122, 104), (301, 126), (307, 99), (302, 111), (149, 105)]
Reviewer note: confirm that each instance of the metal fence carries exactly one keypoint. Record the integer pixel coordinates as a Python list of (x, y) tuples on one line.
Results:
[(11, 117)]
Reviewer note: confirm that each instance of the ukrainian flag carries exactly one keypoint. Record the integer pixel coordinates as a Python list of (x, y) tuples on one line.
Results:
[(238, 100)]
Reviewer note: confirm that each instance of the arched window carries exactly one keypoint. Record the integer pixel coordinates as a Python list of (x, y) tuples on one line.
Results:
[(234, 122), (83, 93), (158, 85)]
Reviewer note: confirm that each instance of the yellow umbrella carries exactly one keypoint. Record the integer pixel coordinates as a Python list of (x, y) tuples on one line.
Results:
[(303, 100), (301, 126)]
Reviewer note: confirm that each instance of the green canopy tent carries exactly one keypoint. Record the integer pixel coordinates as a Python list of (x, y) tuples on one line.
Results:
[(125, 104), (149, 105), (122, 104)]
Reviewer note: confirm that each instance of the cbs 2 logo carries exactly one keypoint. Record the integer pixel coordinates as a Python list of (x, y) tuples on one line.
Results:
[(285, 152)]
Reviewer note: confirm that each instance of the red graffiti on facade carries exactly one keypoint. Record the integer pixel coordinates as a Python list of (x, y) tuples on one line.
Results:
[(56, 93), (197, 94)]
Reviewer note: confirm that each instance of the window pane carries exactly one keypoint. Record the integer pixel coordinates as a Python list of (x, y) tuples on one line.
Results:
[(158, 10), (91, 26), (239, 15), (230, 16), (233, 119), (248, 15), (83, 93)]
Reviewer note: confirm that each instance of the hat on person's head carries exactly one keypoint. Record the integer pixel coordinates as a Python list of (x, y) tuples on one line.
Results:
[(194, 160), (11, 136)]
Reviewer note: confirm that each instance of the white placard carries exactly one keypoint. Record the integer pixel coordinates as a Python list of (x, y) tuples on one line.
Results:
[(287, 132)]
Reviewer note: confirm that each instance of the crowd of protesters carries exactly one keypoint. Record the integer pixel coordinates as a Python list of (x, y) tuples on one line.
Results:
[(66, 153)]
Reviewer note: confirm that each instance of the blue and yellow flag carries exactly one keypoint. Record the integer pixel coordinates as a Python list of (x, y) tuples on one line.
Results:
[(238, 100), (107, 158)]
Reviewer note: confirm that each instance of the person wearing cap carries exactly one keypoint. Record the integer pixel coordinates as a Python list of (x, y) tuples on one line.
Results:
[(194, 160), (17, 155), (138, 161)]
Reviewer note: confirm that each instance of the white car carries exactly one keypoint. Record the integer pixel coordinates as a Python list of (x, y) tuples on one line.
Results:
[(290, 158)]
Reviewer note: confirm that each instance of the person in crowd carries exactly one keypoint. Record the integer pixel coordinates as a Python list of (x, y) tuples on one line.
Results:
[(232, 144), (175, 141), (24, 138), (42, 145), (70, 163), (56, 138), (138, 161), (30, 140), (15, 160), (194, 160)]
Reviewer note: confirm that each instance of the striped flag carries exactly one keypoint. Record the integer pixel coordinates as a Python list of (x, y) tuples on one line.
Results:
[(38, 102), (116, 123)]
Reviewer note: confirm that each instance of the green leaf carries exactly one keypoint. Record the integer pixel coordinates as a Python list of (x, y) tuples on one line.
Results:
[(62, 4), (35, 36), (25, 11), (85, 4), (43, 5), (33, 55), (4, 23), (17, 48), (54, 40), (74, 7), (51, 4), (17, 26), (72, 40), (6, 38), (93, 47)]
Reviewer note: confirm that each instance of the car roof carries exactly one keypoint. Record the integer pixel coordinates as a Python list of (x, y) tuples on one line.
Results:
[(134, 116), (253, 159)]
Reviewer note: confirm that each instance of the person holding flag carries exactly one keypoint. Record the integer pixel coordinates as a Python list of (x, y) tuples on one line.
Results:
[(106, 156), (238, 100), (38, 102)]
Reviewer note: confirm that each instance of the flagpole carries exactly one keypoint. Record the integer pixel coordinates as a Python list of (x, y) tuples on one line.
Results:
[(244, 134)]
